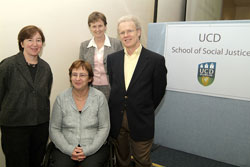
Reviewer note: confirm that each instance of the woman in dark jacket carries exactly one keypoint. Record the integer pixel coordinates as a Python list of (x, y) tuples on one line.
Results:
[(25, 85)]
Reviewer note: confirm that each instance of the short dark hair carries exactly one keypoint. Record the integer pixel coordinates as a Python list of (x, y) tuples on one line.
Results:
[(28, 32), (85, 65), (95, 16)]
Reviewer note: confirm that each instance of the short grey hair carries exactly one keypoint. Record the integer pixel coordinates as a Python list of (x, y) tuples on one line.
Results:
[(129, 18)]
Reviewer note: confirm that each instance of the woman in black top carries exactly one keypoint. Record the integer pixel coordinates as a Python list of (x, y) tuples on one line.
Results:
[(25, 86)]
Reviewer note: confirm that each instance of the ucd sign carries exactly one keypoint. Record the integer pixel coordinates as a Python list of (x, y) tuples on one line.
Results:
[(209, 58)]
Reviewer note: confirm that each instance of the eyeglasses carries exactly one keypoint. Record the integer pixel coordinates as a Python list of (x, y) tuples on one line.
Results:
[(126, 32), (81, 75)]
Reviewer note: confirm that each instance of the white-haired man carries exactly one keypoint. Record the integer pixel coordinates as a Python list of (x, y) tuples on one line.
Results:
[(138, 80)]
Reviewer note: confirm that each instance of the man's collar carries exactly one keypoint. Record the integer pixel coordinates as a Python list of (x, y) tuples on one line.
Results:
[(137, 51)]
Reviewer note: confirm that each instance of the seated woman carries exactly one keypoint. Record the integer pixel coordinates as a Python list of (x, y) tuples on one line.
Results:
[(80, 122)]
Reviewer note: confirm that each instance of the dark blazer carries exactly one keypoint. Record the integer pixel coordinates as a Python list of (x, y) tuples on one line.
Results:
[(22, 101), (145, 91)]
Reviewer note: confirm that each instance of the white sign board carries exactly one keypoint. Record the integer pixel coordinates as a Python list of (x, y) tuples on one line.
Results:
[(209, 59)]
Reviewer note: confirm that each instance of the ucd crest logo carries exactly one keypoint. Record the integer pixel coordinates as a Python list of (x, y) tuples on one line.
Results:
[(206, 73)]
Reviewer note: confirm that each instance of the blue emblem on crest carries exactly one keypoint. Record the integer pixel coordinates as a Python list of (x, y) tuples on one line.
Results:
[(206, 73)]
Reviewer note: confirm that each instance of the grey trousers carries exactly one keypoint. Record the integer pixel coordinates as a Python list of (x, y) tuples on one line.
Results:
[(105, 89)]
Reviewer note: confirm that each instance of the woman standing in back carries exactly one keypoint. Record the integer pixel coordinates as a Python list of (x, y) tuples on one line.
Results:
[(95, 50)]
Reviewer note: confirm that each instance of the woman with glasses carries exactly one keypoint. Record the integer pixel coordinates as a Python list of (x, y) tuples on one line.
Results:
[(80, 122), (95, 50)]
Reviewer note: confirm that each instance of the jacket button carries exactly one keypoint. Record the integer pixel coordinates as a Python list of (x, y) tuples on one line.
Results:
[(126, 97)]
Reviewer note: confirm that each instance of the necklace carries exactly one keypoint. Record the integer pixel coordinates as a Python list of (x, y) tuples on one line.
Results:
[(80, 100), (31, 65), (79, 97)]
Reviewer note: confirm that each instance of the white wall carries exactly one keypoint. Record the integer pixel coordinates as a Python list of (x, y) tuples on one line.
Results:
[(64, 23), (198, 10), (169, 10)]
